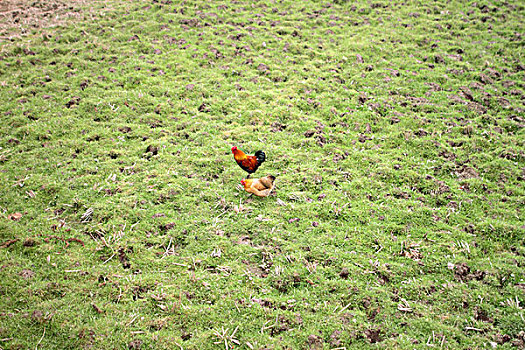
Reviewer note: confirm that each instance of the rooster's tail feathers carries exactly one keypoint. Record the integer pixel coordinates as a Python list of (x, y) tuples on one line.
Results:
[(261, 156)]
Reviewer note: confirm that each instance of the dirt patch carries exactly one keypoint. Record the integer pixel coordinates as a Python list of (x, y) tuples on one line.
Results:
[(335, 340), (277, 127), (8, 243), (124, 258), (29, 242), (467, 173), (373, 335), (15, 216), (27, 274), (462, 273), (482, 315), (315, 342), (19, 17), (135, 344)]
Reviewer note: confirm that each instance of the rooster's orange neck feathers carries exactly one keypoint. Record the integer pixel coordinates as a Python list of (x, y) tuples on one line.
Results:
[(238, 154)]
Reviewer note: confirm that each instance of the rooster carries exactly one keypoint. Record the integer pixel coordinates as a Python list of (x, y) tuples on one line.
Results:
[(248, 163), (259, 187)]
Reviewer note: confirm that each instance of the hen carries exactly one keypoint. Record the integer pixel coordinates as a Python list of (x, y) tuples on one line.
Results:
[(246, 162), (260, 187)]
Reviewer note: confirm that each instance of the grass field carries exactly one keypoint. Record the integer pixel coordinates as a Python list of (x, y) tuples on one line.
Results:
[(395, 130)]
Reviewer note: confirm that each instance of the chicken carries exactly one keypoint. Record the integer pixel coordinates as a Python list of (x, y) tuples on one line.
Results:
[(248, 163), (259, 187)]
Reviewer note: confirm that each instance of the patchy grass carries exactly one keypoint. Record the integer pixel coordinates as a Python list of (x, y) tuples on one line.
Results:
[(395, 131)]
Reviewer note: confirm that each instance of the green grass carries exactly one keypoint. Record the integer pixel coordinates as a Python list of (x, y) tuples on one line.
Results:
[(395, 131)]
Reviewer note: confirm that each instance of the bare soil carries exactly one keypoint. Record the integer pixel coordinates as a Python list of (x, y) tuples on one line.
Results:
[(20, 17)]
